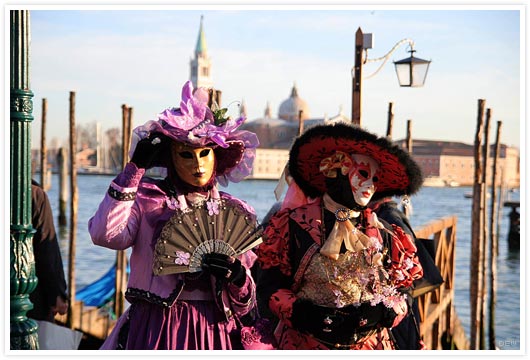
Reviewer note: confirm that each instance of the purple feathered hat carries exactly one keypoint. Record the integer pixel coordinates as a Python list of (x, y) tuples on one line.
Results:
[(194, 124)]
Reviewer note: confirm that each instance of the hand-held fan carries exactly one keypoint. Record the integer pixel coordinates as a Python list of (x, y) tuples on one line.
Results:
[(189, 234)]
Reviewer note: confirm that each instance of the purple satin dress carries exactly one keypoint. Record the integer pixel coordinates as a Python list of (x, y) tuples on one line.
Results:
[(167, 312)]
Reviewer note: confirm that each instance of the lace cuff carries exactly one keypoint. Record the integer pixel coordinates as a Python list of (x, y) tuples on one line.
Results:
[(121, 196), (124, 186)]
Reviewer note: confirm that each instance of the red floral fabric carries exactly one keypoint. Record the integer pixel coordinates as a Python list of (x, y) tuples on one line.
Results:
[(281, 304), (274, 253), (405, 263), (275, 247)]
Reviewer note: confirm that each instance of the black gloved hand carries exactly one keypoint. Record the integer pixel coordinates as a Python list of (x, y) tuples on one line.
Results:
[(390, 314), (224, 267), (148, 149), (339, 325)]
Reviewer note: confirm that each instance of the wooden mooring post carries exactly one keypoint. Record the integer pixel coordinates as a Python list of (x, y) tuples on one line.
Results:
[(477, 223), (121, 256), (63, 185), (300, 122), (390, 120), (484, 236), (493, 242), (73, 213), (43, 148), (407, 206)]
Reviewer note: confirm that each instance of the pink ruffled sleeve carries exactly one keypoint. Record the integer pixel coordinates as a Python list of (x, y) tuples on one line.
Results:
[(116, 221)]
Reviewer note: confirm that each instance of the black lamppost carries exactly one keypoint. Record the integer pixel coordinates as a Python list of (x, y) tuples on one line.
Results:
[(411, 71)]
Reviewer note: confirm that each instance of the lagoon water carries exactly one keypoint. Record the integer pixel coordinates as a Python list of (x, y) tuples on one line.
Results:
[(429, 204)]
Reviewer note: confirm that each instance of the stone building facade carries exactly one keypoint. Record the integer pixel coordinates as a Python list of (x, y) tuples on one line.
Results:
[(454, 162)]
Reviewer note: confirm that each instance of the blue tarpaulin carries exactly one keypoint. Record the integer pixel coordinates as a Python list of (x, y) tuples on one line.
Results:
[(100, 291)]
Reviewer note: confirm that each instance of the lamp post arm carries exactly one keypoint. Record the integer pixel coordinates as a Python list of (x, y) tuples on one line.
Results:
[(387, 56)]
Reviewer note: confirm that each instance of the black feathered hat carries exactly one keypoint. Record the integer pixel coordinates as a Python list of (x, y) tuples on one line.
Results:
[(398, 175)]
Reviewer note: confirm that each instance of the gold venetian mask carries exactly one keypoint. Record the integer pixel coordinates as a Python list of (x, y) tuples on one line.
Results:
[(193, 165)]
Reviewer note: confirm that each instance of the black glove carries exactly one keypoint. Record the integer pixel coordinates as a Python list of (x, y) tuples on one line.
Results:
[(343, 325), (390, 314), (148, 149), (224, 267)]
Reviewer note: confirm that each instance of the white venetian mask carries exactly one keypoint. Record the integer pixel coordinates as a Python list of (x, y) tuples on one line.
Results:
[(363, 178)]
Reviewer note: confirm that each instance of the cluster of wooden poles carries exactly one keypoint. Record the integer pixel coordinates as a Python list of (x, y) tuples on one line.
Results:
[(121, 258), (484, 239), (484, 233), (63, 173)]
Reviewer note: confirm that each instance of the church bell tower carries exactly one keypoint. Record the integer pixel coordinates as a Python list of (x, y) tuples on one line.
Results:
[(200, 66)]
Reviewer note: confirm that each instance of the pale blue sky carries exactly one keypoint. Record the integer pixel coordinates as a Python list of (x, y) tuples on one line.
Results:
[(141, 58)]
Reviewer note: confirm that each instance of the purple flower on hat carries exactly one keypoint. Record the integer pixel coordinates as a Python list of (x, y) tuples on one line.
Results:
[(186, 124), (194, 122)]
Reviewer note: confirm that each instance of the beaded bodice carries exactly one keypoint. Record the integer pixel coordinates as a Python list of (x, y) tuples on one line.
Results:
[(351, 279)]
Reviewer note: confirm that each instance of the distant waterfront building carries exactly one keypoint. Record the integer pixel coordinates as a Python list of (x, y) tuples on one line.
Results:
[(294, 108), (454, 162), (278, 133), (269, 163)]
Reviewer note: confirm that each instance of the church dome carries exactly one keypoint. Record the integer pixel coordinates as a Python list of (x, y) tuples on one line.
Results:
[(289, 108)]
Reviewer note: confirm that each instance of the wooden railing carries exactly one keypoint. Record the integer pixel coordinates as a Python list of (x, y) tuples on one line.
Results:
[(439, 324)]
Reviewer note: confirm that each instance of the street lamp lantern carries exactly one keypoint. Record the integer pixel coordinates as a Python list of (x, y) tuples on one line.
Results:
[(412, 71)]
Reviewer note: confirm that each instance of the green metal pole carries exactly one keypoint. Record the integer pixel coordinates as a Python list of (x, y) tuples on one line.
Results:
[(22, 263)]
